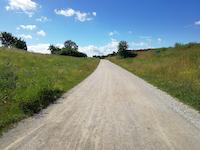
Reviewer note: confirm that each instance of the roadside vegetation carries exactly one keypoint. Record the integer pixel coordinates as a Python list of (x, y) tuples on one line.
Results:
[(30, 82), (175, 70)]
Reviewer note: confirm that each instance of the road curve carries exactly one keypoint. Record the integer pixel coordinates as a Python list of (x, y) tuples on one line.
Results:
[(111, 110)]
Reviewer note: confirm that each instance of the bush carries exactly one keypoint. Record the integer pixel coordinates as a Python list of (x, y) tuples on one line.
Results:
[(54, 49), (42, 100), (179, 45), (192, 44), (69, 52), (127, 54), (185, 46)]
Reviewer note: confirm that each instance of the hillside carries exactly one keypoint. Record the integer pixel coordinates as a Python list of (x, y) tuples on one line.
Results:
[(29, 82), (174, 70)]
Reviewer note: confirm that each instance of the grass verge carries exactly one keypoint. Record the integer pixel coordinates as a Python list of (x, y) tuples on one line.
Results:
[(30, 82), (174, 70)]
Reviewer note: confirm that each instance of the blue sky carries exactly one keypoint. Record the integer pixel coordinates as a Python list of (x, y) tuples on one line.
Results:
[(97, 26)]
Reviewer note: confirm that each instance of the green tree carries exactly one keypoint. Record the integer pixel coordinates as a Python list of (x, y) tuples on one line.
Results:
[(70, 45), (21, 44), (7, 39), (122, 48), (54, 49)]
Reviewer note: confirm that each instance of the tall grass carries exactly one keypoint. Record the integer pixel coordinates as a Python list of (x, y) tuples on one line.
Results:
[(29, 82), (174, 70)]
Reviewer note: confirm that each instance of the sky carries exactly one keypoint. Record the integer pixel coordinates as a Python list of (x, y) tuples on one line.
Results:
[(97, 26)]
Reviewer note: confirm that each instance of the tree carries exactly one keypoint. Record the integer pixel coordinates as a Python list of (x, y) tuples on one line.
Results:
[(70, 45), (21, 44), (54, 49), (70, 49), (122, 47), (7, 40)]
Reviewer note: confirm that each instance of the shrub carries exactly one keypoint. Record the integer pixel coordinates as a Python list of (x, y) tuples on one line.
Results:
[(69, 52), (42, 100), (54, 49), (127, 54), (188, 45), (192, 44), (178, 45)]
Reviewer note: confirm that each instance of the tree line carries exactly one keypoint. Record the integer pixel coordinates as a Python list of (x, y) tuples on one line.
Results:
[(70, 48), (10, 41)]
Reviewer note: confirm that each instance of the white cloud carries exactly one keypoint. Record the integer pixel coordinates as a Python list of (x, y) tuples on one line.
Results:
[(41, 33), (42, 48), (65, 12), (140, 45), (159, 40), (26, 37), (113, 33), (59, 45), (92, 50), (80, 16), (94, 13), (26, 6), (39, 48), (26, 27), (197, 23), (42, 19)]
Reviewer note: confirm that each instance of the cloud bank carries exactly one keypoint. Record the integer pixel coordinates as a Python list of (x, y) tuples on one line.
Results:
[(26, 6), (77, 14)]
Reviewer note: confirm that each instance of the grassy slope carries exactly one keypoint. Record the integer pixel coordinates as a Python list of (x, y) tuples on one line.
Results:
[(174, 70), (34, 74)]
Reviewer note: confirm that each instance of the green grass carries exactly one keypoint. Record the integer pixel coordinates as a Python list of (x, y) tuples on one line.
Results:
[(29, 82), (174, 70)]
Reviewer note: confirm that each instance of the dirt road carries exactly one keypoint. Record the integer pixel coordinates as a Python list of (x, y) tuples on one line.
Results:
[(111, 109)]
